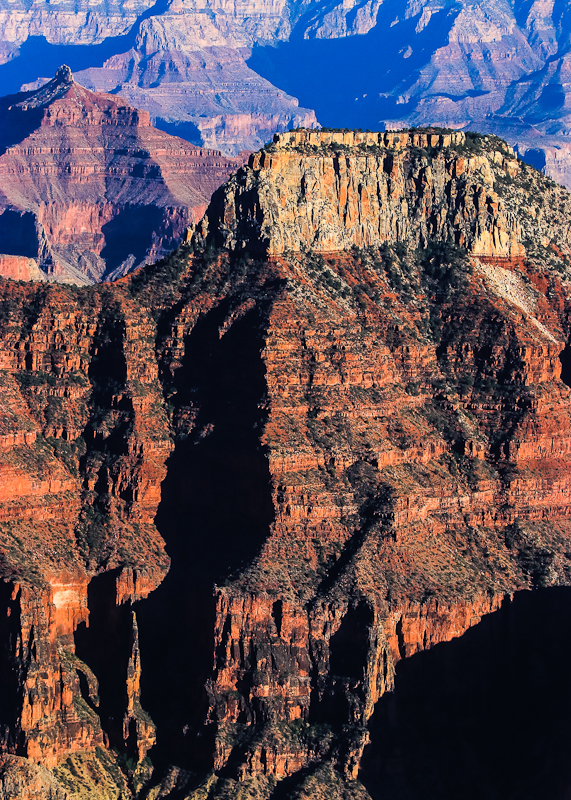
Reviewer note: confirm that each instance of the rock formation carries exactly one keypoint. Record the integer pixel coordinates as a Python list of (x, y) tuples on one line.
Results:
[(343, 405), (89, 189), (378, 201), (190, 72), (197, 67)]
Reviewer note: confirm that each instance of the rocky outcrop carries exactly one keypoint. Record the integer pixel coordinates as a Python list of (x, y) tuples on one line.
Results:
[(20, 268), (333, 191), (499, 69), (361, 438), (387, 436), (77, 169)]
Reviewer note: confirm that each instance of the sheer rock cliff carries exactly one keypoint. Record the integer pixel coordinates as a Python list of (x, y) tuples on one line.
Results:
[(282, 201), (353, 441)]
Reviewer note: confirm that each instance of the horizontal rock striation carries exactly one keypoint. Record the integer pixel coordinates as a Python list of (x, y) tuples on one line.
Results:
[(77, 169), (372, 439), (81, 457)]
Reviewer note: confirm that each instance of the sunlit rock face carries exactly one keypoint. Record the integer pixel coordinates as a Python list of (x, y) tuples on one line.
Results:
[(90, 189), (353, 441), (343, 189)]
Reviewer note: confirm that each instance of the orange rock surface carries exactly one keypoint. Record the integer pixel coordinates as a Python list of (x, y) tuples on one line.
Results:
[(19, 268), (371, 454)]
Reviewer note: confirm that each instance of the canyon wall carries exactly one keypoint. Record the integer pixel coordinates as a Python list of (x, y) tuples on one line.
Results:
[(89, 189), (354, 447), (71, 389), (229, 75)]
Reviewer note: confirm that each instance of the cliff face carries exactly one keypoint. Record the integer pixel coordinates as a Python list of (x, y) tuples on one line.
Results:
[(371, 455), (283, 201), (77, 169), (83, 449)]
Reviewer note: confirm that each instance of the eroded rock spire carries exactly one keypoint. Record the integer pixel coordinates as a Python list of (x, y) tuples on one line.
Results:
[(64, 75)]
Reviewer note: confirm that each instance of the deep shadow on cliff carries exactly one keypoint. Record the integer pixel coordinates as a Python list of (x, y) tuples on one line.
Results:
[(208, 534), (109, 632), (353, 96), (485, 715)]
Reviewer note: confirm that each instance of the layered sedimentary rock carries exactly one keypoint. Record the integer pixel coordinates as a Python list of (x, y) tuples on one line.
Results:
[(188, 69), (496, 67), (358, 432), (379, 200), (89, 189), (67, 512)]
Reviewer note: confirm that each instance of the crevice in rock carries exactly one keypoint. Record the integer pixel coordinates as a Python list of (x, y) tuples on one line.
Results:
[(286, 787), (11, 686), (105, 646), (565, 358), (277, 614), (215, 512), (349, 645)]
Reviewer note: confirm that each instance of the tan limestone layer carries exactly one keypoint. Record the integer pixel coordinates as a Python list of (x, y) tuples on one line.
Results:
[(332, 191)]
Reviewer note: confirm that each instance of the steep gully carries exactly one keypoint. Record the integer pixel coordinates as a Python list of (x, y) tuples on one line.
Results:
[(208, 535)]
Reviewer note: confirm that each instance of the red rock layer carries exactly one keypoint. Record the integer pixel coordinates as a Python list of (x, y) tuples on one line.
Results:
[(372, 451), (77, 168), (399, 496), (416, 461), (66, 511)]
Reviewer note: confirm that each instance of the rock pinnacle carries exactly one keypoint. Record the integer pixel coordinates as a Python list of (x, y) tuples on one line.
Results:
[(64, 74)]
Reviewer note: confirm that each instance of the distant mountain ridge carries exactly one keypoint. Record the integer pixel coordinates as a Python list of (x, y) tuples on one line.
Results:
[(494, 67), (89, 189)]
